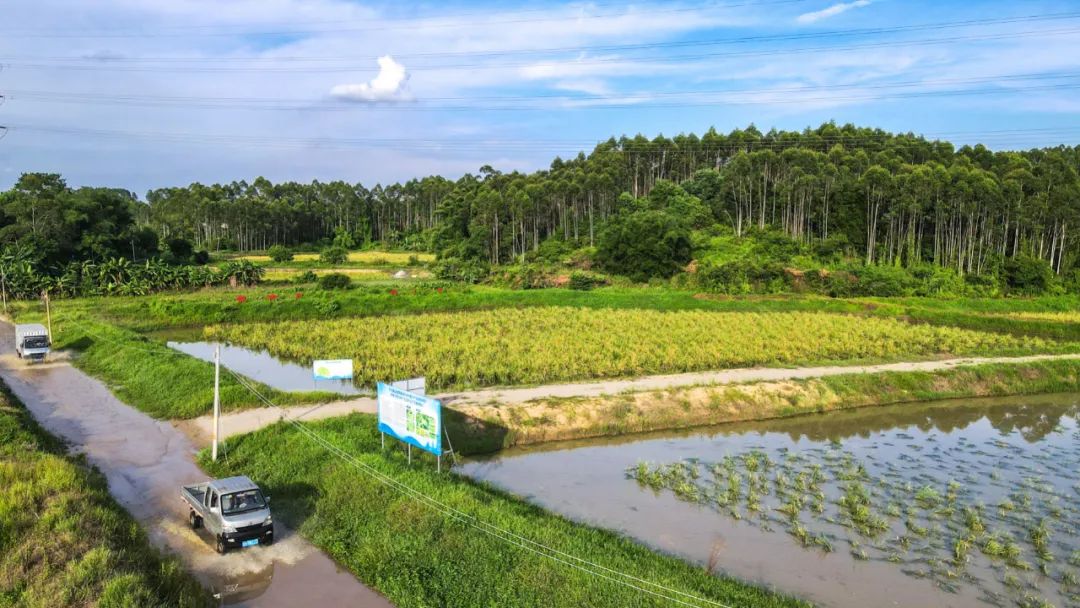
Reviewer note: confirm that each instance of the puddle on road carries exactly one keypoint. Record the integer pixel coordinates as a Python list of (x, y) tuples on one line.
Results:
[(962, 503), (266, 368)]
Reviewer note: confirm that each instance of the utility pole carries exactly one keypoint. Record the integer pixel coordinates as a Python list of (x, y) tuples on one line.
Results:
[(217, 400), (3, 286), (48, 313)]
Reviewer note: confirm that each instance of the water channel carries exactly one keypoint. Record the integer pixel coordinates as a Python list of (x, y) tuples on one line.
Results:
[(959, 503), (263, 367)]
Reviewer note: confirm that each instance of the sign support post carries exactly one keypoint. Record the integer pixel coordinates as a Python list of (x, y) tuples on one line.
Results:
[(410, 417)]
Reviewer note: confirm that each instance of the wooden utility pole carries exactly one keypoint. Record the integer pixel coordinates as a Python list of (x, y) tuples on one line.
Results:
[(217, 400)]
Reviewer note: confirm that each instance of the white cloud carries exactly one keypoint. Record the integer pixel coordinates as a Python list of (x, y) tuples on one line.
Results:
[(831, 11), (388, 86)]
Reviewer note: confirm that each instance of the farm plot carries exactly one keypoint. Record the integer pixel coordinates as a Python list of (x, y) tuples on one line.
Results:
[(550, 344)]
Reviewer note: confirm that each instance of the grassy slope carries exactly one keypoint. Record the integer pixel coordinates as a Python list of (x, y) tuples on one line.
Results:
[(418, 557), (561, 419), (63, 540)]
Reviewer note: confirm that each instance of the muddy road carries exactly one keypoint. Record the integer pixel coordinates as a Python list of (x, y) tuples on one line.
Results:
[(146, 461)]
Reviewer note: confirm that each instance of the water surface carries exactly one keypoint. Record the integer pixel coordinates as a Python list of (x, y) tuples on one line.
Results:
[(263, 367), (975, 456)]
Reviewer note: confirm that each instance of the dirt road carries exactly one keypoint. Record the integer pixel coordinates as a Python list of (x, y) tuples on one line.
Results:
[(238, 423), (146, 461)]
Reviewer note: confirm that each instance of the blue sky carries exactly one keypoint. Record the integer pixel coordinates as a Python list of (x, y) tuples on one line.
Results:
[(140, 94)]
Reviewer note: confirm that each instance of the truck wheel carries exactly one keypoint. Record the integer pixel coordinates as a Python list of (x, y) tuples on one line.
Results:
[(220, 545), (194, 520)]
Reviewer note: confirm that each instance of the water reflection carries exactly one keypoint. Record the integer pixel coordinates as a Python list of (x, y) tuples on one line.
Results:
[(1022, 451), (266, 368)]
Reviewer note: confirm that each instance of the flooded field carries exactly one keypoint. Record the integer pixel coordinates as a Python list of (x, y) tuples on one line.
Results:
[(266, 368), (958, 503)]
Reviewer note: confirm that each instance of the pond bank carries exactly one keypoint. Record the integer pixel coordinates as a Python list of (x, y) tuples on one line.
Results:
[(493, 425)]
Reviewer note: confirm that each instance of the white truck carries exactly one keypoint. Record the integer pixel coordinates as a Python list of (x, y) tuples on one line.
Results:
[(31, 341), (233, 510)]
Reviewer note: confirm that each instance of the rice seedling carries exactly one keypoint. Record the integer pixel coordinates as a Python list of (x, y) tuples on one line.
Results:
[(961, 546)]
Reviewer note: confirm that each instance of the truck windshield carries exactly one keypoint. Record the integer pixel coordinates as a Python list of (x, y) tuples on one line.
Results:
[(36, 342), (239, 502)]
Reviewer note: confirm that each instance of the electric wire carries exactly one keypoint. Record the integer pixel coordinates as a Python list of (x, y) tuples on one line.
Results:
[(540, 549)]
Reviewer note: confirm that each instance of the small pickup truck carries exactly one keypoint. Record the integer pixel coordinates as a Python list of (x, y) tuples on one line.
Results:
[(233, 510), (31, 341)]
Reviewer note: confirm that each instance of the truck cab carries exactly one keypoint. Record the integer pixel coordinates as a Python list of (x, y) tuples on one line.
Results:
[(32, 341), (234, 510)]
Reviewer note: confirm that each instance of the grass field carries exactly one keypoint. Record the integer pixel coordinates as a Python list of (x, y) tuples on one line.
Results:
[(419, 557), (63, 540), (550, 344)]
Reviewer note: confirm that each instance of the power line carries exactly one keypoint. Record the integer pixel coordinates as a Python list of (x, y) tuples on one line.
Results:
[(748, 97), (387, 23), (581, 564), (626, 145), (275, 103), (436, 22), (490, 529), (119, 62)]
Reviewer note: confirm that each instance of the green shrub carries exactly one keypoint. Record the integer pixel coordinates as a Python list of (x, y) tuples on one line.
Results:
[(280, 253), (335, 280), (644, 244), (307, 276), (1028, 275), (334, 255), (584, 280), (464, 270), (885, 281)]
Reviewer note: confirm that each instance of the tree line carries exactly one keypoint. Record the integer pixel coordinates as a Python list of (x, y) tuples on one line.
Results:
[(888, 199), (896, 199)]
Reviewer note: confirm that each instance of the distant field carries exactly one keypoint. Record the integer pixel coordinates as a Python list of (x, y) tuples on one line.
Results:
[(357, 274), (374, 258), (549, 344)]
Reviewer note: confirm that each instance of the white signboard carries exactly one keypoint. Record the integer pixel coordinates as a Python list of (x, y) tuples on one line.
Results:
[(332, 369), (414, 419), (413, 385)]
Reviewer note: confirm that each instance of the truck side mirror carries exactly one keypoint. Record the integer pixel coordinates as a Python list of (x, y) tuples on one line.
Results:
[(267, 499)]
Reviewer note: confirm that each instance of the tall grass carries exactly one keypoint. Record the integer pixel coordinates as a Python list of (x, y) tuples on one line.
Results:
[(63, 540)]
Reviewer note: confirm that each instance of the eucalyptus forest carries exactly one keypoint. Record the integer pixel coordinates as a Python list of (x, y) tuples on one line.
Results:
[(871, 197)]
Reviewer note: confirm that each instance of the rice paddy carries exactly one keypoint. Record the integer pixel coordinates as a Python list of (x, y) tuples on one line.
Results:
[(545, 344), (958, 504)]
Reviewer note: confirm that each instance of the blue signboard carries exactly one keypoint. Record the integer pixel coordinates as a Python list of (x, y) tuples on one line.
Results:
[(414, 419)]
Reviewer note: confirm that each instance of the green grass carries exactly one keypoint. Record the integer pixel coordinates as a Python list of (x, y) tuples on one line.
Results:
[(63, 540), (158, 380), (219, 305), (418, 557)]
